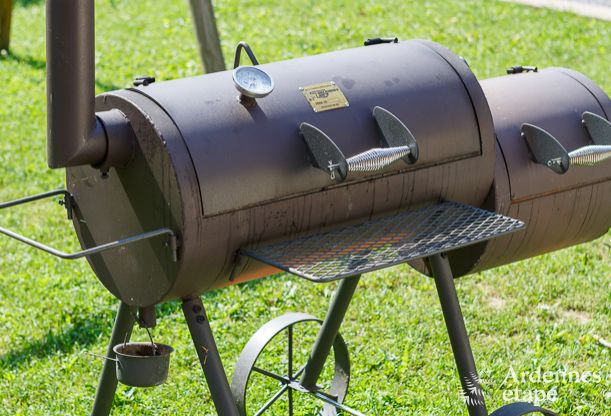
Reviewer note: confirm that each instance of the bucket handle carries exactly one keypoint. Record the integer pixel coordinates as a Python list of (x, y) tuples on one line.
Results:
[(104, 357), (68, 203)]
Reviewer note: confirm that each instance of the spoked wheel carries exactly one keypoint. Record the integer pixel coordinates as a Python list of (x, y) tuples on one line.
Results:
[(271, 364), (521, 409)]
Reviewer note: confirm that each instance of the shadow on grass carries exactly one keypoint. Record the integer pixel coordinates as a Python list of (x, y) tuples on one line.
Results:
[(86, 331), (41, 65), (83, 332)]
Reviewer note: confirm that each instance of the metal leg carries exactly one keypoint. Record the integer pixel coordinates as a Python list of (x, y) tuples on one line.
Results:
[(209, 357), (121, 331), (463, 355), (328, 331)]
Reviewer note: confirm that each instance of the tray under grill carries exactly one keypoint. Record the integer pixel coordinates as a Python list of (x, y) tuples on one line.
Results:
[(383, 242)]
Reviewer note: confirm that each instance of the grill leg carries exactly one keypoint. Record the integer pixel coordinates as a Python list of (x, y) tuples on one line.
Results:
[(463, 355), (328, 331), (209, 357), (121, 331)]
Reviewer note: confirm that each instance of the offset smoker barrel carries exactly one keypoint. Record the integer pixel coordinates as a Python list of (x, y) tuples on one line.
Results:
[(224, 175), (235, 178), (369, 132)]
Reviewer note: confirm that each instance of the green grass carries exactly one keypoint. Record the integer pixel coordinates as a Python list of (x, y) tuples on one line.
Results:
[(544, 312)]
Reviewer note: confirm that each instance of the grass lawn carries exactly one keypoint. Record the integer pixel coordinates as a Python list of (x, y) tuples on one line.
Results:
[(542, 313)]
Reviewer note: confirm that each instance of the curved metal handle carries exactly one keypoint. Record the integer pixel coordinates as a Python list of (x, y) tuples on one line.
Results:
[(376, 159), (172, 244), (327, 156), (238, 54), (104, 357), (67, 201), (548, 151), (589, 155)]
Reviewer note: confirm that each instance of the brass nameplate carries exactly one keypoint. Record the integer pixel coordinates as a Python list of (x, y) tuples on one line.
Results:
[(324, 97)]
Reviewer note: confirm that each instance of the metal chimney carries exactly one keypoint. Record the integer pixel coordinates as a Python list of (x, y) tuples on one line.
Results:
[(76, 135)]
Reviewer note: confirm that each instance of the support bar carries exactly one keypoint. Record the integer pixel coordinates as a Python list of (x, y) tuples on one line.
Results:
[(107, 386), (328, 332), (463, 355), (209, 357)]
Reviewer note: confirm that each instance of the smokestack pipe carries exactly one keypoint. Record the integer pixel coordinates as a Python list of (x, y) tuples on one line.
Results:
[(76, 135)]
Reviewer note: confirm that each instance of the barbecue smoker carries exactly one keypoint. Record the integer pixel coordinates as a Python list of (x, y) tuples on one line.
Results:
[(327, 167)]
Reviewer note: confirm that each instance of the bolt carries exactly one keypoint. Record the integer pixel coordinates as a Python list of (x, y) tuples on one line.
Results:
[(197, 308), (200, 319)]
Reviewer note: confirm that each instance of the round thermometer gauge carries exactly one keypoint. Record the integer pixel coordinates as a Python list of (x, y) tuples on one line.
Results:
[(252, 82)]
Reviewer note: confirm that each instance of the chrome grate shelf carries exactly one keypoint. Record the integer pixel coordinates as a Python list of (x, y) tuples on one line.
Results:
[(383, 242)]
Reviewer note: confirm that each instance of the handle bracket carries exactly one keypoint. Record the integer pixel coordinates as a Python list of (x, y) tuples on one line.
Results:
[(68, 203), (598, 128)]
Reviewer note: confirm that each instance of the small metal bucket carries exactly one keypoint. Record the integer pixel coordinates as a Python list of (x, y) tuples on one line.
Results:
[(142, 364)]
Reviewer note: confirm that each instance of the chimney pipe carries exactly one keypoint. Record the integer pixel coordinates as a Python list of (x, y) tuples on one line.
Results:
[(76, 135)]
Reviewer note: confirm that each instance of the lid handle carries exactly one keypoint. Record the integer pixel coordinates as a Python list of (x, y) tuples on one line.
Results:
[(399, 141), (548, 151)]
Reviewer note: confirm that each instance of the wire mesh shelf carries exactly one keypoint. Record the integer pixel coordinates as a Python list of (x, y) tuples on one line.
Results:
[(383, 242)]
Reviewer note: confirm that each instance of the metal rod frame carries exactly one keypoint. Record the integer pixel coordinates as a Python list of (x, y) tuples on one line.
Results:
[(96, 249), (459, 338), (173, 240), (37, 197), (216, 379), (328, 332), (121, 332), (209, 357)]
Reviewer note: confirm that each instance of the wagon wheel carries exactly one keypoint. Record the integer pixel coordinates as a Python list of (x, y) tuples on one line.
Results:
[(280, 338), (521, 409)]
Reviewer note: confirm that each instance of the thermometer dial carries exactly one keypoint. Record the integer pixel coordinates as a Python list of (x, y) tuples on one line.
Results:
[(252, 82)]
